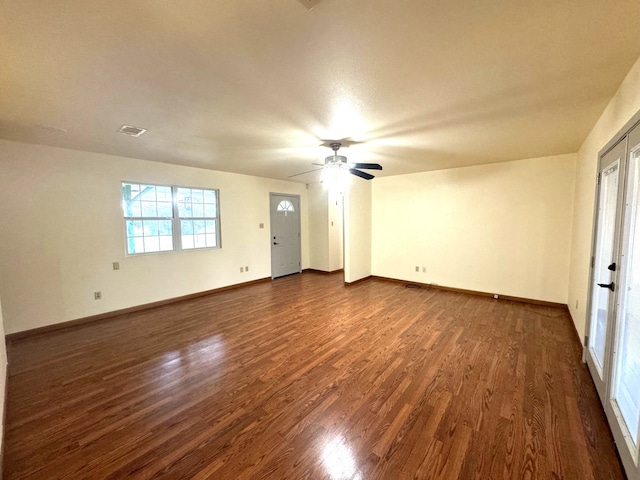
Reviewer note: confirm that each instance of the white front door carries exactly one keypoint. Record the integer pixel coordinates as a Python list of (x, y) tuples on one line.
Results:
[(285, 235)]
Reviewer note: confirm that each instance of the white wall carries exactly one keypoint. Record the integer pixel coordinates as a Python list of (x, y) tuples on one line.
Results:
[(357, 230), (503, 228), (621, 108), (325, 228), (318, 227), (336, 248), (62, 229)]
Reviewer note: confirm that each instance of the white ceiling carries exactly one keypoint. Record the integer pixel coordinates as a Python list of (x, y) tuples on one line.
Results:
[(255, 86)]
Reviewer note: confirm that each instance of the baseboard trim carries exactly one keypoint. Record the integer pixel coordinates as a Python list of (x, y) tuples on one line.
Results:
[(4, 420), (12, 337), (531, 301), (578, 339), (348, 284), (322, 272)]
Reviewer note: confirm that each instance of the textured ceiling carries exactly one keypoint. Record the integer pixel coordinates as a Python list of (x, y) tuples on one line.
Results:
[(256, 86)]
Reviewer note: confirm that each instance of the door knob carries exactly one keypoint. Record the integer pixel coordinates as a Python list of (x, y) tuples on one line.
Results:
[(611, 286)]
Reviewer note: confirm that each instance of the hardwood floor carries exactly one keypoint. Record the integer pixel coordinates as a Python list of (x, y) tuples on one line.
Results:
[(304, 378)]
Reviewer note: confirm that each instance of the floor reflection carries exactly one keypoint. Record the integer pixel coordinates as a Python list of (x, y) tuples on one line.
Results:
[(173, 364), (339, 461)]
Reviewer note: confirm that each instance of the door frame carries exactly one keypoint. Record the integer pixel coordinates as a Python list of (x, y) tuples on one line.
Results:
[(632, 469), (291, 195)]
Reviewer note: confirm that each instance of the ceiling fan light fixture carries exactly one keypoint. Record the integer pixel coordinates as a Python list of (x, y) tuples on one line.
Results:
[(335, 169), (334, 176), (335, 159)]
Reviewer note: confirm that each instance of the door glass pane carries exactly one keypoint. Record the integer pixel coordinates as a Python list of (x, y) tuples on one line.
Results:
[(626, 387), (603, 258)]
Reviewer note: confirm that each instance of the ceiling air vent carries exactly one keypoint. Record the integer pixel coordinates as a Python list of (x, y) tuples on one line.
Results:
[(131, 130), (309, 3)]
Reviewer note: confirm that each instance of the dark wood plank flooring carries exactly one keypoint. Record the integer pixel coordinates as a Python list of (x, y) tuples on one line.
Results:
[(304, 378)]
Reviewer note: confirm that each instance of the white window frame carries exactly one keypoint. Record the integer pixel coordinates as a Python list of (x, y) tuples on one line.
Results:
[(176, 219)]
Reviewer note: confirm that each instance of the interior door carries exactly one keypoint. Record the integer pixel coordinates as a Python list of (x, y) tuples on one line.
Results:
[(605, 263), (623, 403), (285, 235)]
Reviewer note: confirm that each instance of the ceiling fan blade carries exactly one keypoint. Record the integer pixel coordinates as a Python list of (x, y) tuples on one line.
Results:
[(309, 171), (358, 173), (367, 166)]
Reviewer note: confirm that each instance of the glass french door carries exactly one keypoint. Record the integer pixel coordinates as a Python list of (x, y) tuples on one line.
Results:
[(604, 278), (613, 353)]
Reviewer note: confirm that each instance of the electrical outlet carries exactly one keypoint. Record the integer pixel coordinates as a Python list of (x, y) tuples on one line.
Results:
[(424, 269), (262, 225), (246, 269), (116, 265), (97, 295), (417, 268), (576, 304), (241, 269)]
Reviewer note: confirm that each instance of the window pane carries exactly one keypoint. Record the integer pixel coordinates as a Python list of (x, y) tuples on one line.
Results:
[(626, 384), (187, 227), (198, 226), (211, 240), (130, 203), (134, 228), (148, 193), (210, 196), (285, 206), (200, 241), (164, 227), (210, 226), (164, 194), (198, 210), (197, 196), (133, 209), (138, 245), (165, 209), (604, 254), (209, 210), (149, 209), (184, 208), (166, 243), (127, 191), (187, 241), (150, 228), (184, 202), (151, 244)]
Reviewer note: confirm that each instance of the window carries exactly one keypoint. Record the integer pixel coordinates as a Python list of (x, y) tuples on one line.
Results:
[(161, 218), (285, 206), (197, 210)]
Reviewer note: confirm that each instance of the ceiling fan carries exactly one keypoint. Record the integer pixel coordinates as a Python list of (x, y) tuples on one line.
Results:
[(334, 164)]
